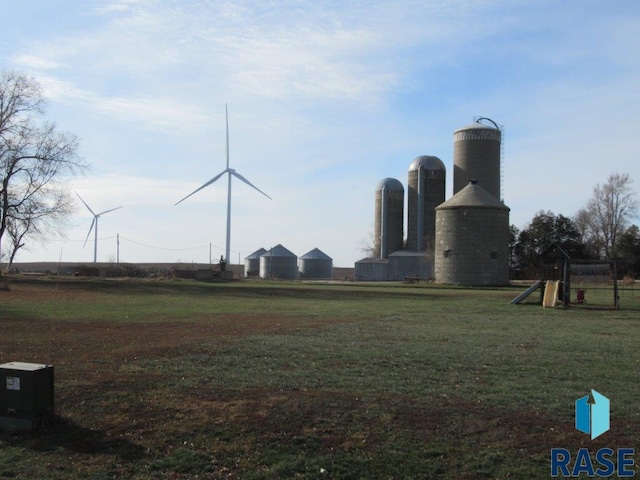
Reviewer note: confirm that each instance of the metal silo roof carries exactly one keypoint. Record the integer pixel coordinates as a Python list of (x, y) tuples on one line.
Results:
[(477, 126), (279, 251), (390, 184), (427, 162), (256, 255), (473, 195), (315, 254)]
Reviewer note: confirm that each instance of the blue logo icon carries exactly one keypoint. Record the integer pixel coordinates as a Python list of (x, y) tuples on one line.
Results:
[(592, 418)]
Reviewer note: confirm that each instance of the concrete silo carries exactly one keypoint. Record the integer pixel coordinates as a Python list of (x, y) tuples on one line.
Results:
[(279, 263), (252, 263), (316, 264), (476, 156), (426, 184), (389, 217), (472, 239)]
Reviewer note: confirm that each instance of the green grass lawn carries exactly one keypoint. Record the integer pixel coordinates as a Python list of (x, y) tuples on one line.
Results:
[(270, 380)]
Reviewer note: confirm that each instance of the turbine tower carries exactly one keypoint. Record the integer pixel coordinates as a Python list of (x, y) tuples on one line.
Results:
[(94, 223), (231, 172)]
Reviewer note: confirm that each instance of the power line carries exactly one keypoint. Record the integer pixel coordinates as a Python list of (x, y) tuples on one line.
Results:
[(82, 241), (164, 248), (154, 247)]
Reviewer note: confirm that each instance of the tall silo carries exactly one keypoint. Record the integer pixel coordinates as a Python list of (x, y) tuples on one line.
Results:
[(476, 156), (252, 263), (389, 217), (316, 264), (279, 263), (426, 183), (472, 239)]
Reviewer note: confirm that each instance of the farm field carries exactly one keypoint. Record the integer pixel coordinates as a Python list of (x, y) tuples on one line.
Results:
[(168, 379)]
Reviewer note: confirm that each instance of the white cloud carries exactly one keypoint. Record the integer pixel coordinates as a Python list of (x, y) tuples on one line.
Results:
[(35, 62), (153, 113), (122, 6)]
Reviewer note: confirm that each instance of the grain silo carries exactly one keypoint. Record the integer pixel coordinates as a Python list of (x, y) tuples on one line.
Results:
[(476, 156), (252, 263), (316, 264), (389, 217), (279, 263), (426, 184), (472, 239)]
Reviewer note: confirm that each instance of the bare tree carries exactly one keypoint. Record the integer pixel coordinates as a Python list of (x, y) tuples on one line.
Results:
[(37, 222), (366, 244), (608, 214), (35, 160)]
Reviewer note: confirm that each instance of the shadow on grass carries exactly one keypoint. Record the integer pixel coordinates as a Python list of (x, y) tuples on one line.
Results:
[(61, 433)]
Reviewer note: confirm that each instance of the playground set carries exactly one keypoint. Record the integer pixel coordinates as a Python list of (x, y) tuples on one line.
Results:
[(594, 282)]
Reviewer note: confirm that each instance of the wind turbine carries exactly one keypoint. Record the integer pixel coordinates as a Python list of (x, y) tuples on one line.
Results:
[(94, 222), (232, 173)]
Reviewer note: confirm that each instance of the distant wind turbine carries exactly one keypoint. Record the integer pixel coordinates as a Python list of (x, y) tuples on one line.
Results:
[(94, 223), (231, 173)]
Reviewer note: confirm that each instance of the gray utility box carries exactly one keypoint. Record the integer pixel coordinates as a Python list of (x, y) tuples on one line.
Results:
[(26, 394)]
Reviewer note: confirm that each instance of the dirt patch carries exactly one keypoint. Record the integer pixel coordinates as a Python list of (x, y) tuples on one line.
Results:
[(20, 292), (69, 342)]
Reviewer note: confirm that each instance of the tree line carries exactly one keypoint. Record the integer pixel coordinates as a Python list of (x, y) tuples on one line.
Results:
[(601, 230)]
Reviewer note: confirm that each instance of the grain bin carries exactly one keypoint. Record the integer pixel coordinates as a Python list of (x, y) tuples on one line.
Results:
[(426, 190), (472, 239), (389, 217), (252, 263), (316, 264), (279, 263), (476, 156)]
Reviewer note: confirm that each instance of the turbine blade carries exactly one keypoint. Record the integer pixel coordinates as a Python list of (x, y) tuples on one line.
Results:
[(107, 211), (85, 203), (249, 183), (203, 186), (89, 232)]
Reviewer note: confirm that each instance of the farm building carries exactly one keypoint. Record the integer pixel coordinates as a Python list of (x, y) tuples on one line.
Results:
[(472, 239)]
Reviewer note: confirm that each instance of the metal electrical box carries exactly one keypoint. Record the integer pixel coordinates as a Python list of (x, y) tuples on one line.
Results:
[(26, 394)]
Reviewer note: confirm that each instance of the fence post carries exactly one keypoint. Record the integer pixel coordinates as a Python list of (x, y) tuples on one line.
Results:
[(566, 287), (616, 298)]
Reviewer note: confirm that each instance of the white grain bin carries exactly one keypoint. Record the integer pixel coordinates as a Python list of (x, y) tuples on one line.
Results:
[(252, 263), (316, 264), (279, 263)]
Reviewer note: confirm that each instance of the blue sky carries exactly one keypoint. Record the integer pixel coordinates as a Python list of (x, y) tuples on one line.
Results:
[(325, 99)]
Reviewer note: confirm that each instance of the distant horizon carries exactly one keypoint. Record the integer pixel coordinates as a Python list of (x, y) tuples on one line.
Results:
[(135, 263)]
